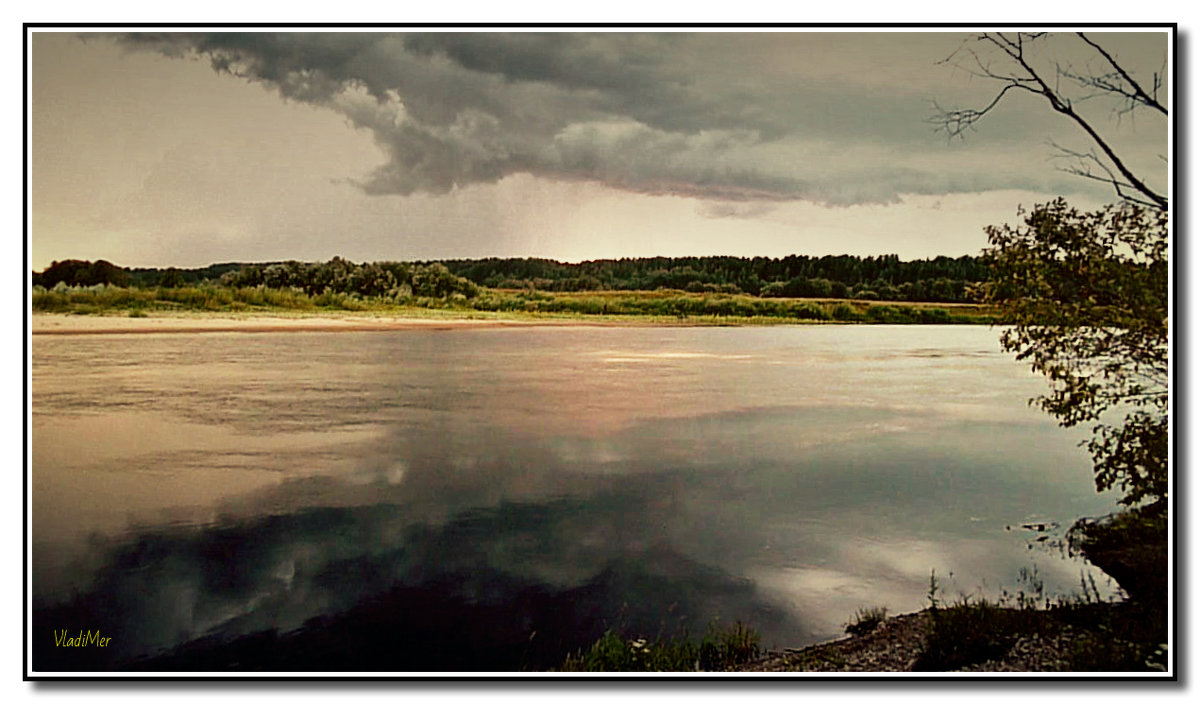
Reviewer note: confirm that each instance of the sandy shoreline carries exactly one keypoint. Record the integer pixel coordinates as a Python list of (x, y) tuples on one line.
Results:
[(60, 324)]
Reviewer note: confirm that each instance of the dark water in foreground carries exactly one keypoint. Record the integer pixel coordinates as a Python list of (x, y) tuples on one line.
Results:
[(490, 499)]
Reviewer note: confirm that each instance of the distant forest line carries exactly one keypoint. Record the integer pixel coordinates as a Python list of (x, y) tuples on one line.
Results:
[(886, 278)]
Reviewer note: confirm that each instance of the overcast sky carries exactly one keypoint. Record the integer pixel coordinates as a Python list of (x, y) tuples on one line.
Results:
[(189, 149)]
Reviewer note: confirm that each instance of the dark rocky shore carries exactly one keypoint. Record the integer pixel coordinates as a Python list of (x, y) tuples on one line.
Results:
[(899, 644), (1126, 636)]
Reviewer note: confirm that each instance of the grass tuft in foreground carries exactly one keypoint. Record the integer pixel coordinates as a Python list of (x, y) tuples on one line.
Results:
[(866, 620), (1128, 636), (719, 650)]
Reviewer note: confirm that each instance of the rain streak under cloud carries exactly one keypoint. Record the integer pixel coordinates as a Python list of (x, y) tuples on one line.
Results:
[(802, 142)]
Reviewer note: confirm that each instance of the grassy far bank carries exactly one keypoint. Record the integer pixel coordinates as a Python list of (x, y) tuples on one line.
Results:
[(666, 306)]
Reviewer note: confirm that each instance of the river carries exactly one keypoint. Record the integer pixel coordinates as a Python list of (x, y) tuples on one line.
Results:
[(487, 499)]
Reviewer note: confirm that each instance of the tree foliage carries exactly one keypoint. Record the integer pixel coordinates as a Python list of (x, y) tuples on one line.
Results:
[(1085, 293), (341, 276), (936, 280), (1086, 297), (939, 279), (74, 272)]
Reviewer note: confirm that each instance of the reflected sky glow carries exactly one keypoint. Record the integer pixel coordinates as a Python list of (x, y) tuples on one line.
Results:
[(226, 485)]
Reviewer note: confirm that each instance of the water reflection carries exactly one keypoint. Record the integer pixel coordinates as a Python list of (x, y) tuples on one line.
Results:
[(503, 496)]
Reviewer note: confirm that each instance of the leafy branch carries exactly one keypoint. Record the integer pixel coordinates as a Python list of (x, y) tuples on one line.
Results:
[(1085, 295)]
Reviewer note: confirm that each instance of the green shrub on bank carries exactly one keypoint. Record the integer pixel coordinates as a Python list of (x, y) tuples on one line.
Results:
[(844, 312), (264, 297)]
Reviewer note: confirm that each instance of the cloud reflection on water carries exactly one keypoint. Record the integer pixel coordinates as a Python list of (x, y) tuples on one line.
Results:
[(487, 472)]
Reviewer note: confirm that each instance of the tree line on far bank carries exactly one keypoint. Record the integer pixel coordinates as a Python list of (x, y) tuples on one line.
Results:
[(941, 279)]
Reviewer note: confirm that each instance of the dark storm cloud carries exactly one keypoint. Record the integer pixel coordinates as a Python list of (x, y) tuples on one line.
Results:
[(712, 116)]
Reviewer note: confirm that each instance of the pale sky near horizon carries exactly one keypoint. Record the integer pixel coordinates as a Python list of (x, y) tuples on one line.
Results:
[(564, 145)]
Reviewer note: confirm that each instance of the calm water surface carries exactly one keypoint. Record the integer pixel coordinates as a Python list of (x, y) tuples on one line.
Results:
[(491, 498)]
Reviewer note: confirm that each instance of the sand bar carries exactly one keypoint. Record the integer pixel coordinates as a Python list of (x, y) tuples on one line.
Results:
[(57, 324)]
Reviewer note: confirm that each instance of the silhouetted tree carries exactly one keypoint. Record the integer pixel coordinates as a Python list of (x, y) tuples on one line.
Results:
[(1086, 296)]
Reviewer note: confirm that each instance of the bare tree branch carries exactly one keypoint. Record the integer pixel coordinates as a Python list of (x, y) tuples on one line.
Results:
[(1082, 169), (1140, 94), (1017, 72), (955, 122)]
